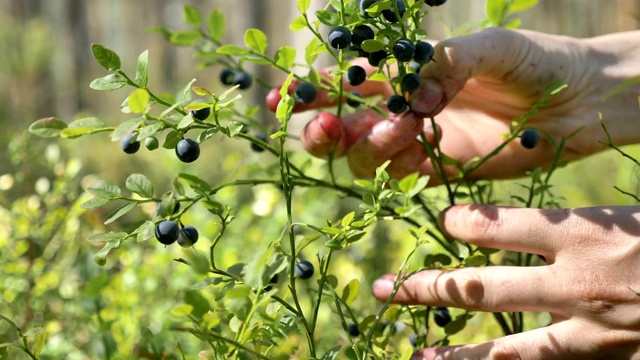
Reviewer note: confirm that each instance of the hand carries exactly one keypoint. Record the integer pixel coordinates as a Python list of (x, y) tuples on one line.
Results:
[(476, 86), (590, 285)]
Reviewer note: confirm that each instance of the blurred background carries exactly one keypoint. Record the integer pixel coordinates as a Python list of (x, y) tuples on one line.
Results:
[(47, 276)]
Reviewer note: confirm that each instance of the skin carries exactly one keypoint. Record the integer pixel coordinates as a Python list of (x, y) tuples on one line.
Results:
[(477, 85)]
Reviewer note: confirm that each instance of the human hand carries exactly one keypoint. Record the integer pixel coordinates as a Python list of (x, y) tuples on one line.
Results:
[(476, 86), (590, 284)]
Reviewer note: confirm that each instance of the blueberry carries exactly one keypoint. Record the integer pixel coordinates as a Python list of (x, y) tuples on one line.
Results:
[(257, 148), (361, 33), (404, 49), (376, 57), (529, 138), (410, 83), (227, 76), (128, 146), (304, 270), (167, 232), (151, 143), (339, 37), (162, 213), (413, 340), (187, 150), (201, 114), (305, 93), (435, 2), (364, 5), (397, 104), (354, 103), (441, 316), (188, 236), (424, 52), (353, 330), (273, 281), (356, 75), (243, 79), (390, 14)]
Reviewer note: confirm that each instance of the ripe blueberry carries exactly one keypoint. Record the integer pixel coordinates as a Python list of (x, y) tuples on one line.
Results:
[(305, 93), (356, 75), (274, 280), (227, 75), (339, 37), (410, 83), (361, 33), (304, 270), (354, 103), (397, 104), (353, 330), (529, 138), (242, 79), (364, 5), (167, 232), (188, 236), (413, 340), (128, 146), (187, 150), (435, 2), (162, 213), (151, 143), (257, 148), (441, 316), (404, 50), (424, 52), (201, 114), (390, 14), (376, 57)]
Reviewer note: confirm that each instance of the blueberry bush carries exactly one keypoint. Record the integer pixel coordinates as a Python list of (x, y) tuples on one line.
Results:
[(278, 293)]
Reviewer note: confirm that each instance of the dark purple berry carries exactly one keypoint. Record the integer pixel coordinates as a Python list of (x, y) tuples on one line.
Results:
[(435, 2), (304, 270), (305, 93), (354, 103), (424, 52), (361, 33), (413, 340), (397, 104), (167, 232), (273, 281), (257, 148), (376, 57), (187, 150), (441, 316), (188, 236), (404, 50), (410, 83), (201, 114), (353, 330), (339, 37), (529, 138), (364, 5), (226, 76), (356, 75), (390, 14), (128, 146), (243, 79)]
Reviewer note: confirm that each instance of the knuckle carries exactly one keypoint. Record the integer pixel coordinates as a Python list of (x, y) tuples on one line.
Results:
[(481, 226), (504, 351)]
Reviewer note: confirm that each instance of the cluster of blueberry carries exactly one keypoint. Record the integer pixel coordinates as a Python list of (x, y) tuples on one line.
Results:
[(168, 231)]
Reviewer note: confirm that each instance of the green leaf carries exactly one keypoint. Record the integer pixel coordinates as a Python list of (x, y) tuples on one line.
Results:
[(126, 127), (33, 331), (278, 134), (94, 203), (101, 256), (521, 5), (232, 50), (331, 354), (195, 182), (298, 24), (350, 292), (496, 10), (372, 45), (256, 40), (149, 130), (107, 58), (47, 127), (200, 304), (146, 231), (109, 82), (216, 25), (348, 219), (138, 101), (39, 344), (455, 326), (235, 128), (142, 69), (185, 38), (238, 301), (475, 260), (408, 182), (303, 5), (191, 16), (328, 18), (69, 133), (311, 51), (88, 122), (105, 189), (140, 185), (182, 310), (108, 237), (172, 139), (285, 57), (119, 212)]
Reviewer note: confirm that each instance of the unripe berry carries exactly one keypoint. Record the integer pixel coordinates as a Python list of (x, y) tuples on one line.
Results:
[(187, 150), (128, 146), (151, 143)]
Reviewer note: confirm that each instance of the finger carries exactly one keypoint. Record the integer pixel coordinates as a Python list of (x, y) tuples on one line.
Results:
[(514, 229), (383, 141), (491, 289), (562, 341), (367, 89)]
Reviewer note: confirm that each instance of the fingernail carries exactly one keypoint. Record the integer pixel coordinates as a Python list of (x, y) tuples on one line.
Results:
[(383, 286), (427, 99)]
